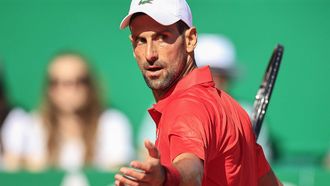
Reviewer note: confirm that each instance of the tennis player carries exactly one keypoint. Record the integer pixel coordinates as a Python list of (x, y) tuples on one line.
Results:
[(204, 137)]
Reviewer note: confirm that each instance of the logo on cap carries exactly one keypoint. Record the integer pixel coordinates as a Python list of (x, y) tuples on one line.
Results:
[(142, 2)]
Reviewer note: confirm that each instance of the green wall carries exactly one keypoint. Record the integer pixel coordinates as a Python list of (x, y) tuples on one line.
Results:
[(30, 32)]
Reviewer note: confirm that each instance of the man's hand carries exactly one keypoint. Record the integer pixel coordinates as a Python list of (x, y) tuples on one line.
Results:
[(145, 173)]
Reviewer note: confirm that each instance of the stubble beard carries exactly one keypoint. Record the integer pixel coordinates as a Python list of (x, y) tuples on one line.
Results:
[(162, 83), (165, 81)]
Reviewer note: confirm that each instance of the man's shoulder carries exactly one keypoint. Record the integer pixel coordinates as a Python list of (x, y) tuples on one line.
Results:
[(201, 94), (203, 97), (195, 100)]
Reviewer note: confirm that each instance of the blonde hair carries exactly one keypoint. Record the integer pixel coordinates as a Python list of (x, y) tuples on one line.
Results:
[(89, 114)]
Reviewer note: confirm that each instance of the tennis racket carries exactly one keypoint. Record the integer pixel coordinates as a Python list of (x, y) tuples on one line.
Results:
[(265, 90)]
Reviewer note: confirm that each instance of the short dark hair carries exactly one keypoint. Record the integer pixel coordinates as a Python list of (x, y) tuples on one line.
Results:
[(181, 26)]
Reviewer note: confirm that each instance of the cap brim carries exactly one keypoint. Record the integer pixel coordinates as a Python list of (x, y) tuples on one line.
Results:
[(161, 17), (124, 23)]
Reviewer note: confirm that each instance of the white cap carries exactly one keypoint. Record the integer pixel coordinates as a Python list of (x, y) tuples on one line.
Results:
[(216, 51), (165, 12)]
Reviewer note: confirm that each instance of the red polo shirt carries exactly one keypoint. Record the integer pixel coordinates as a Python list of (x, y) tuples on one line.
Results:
[(195, 117)]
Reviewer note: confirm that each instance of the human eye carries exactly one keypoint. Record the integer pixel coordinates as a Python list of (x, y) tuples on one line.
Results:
[(163, 37), (140, 40)]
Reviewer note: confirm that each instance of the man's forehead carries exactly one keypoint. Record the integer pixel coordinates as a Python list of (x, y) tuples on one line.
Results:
[(144, 23)]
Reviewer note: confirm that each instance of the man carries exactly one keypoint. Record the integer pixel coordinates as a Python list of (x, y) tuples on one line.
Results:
[(203, 136)]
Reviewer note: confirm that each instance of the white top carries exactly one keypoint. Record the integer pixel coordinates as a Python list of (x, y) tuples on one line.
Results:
[(13, 132), (113, 143)]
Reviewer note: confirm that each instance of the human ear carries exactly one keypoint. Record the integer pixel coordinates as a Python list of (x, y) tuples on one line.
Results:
[(131, 38), (132, 41), (190, 39)]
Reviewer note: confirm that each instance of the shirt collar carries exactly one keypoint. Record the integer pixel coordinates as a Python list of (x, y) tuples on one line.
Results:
[(195, 77)]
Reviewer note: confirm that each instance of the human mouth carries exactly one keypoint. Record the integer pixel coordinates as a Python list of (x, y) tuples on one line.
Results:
[(153, 71)]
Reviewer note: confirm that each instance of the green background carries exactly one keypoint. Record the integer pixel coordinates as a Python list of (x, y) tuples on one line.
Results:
[(32, 31)]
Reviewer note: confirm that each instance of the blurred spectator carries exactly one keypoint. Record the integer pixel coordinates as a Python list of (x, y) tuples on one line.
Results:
[(13, 122), (219, 53), (72, 129)]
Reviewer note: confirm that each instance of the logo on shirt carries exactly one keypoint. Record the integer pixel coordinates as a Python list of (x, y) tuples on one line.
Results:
[(142, 2)]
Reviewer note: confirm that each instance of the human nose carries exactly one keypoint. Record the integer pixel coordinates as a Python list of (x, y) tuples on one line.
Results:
[(151, 53)]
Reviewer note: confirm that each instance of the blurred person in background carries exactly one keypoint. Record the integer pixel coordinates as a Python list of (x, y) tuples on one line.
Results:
[(72, 129), (219, 53), (13, 123)]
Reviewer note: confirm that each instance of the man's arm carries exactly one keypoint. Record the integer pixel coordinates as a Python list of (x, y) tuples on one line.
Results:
[(269, 179), (266, 176), (151, 172), (190, 168)]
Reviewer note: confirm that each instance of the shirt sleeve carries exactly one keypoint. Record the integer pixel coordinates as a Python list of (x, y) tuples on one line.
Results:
[(14, 131), (36, 140), (187, 132), (114, 143)]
